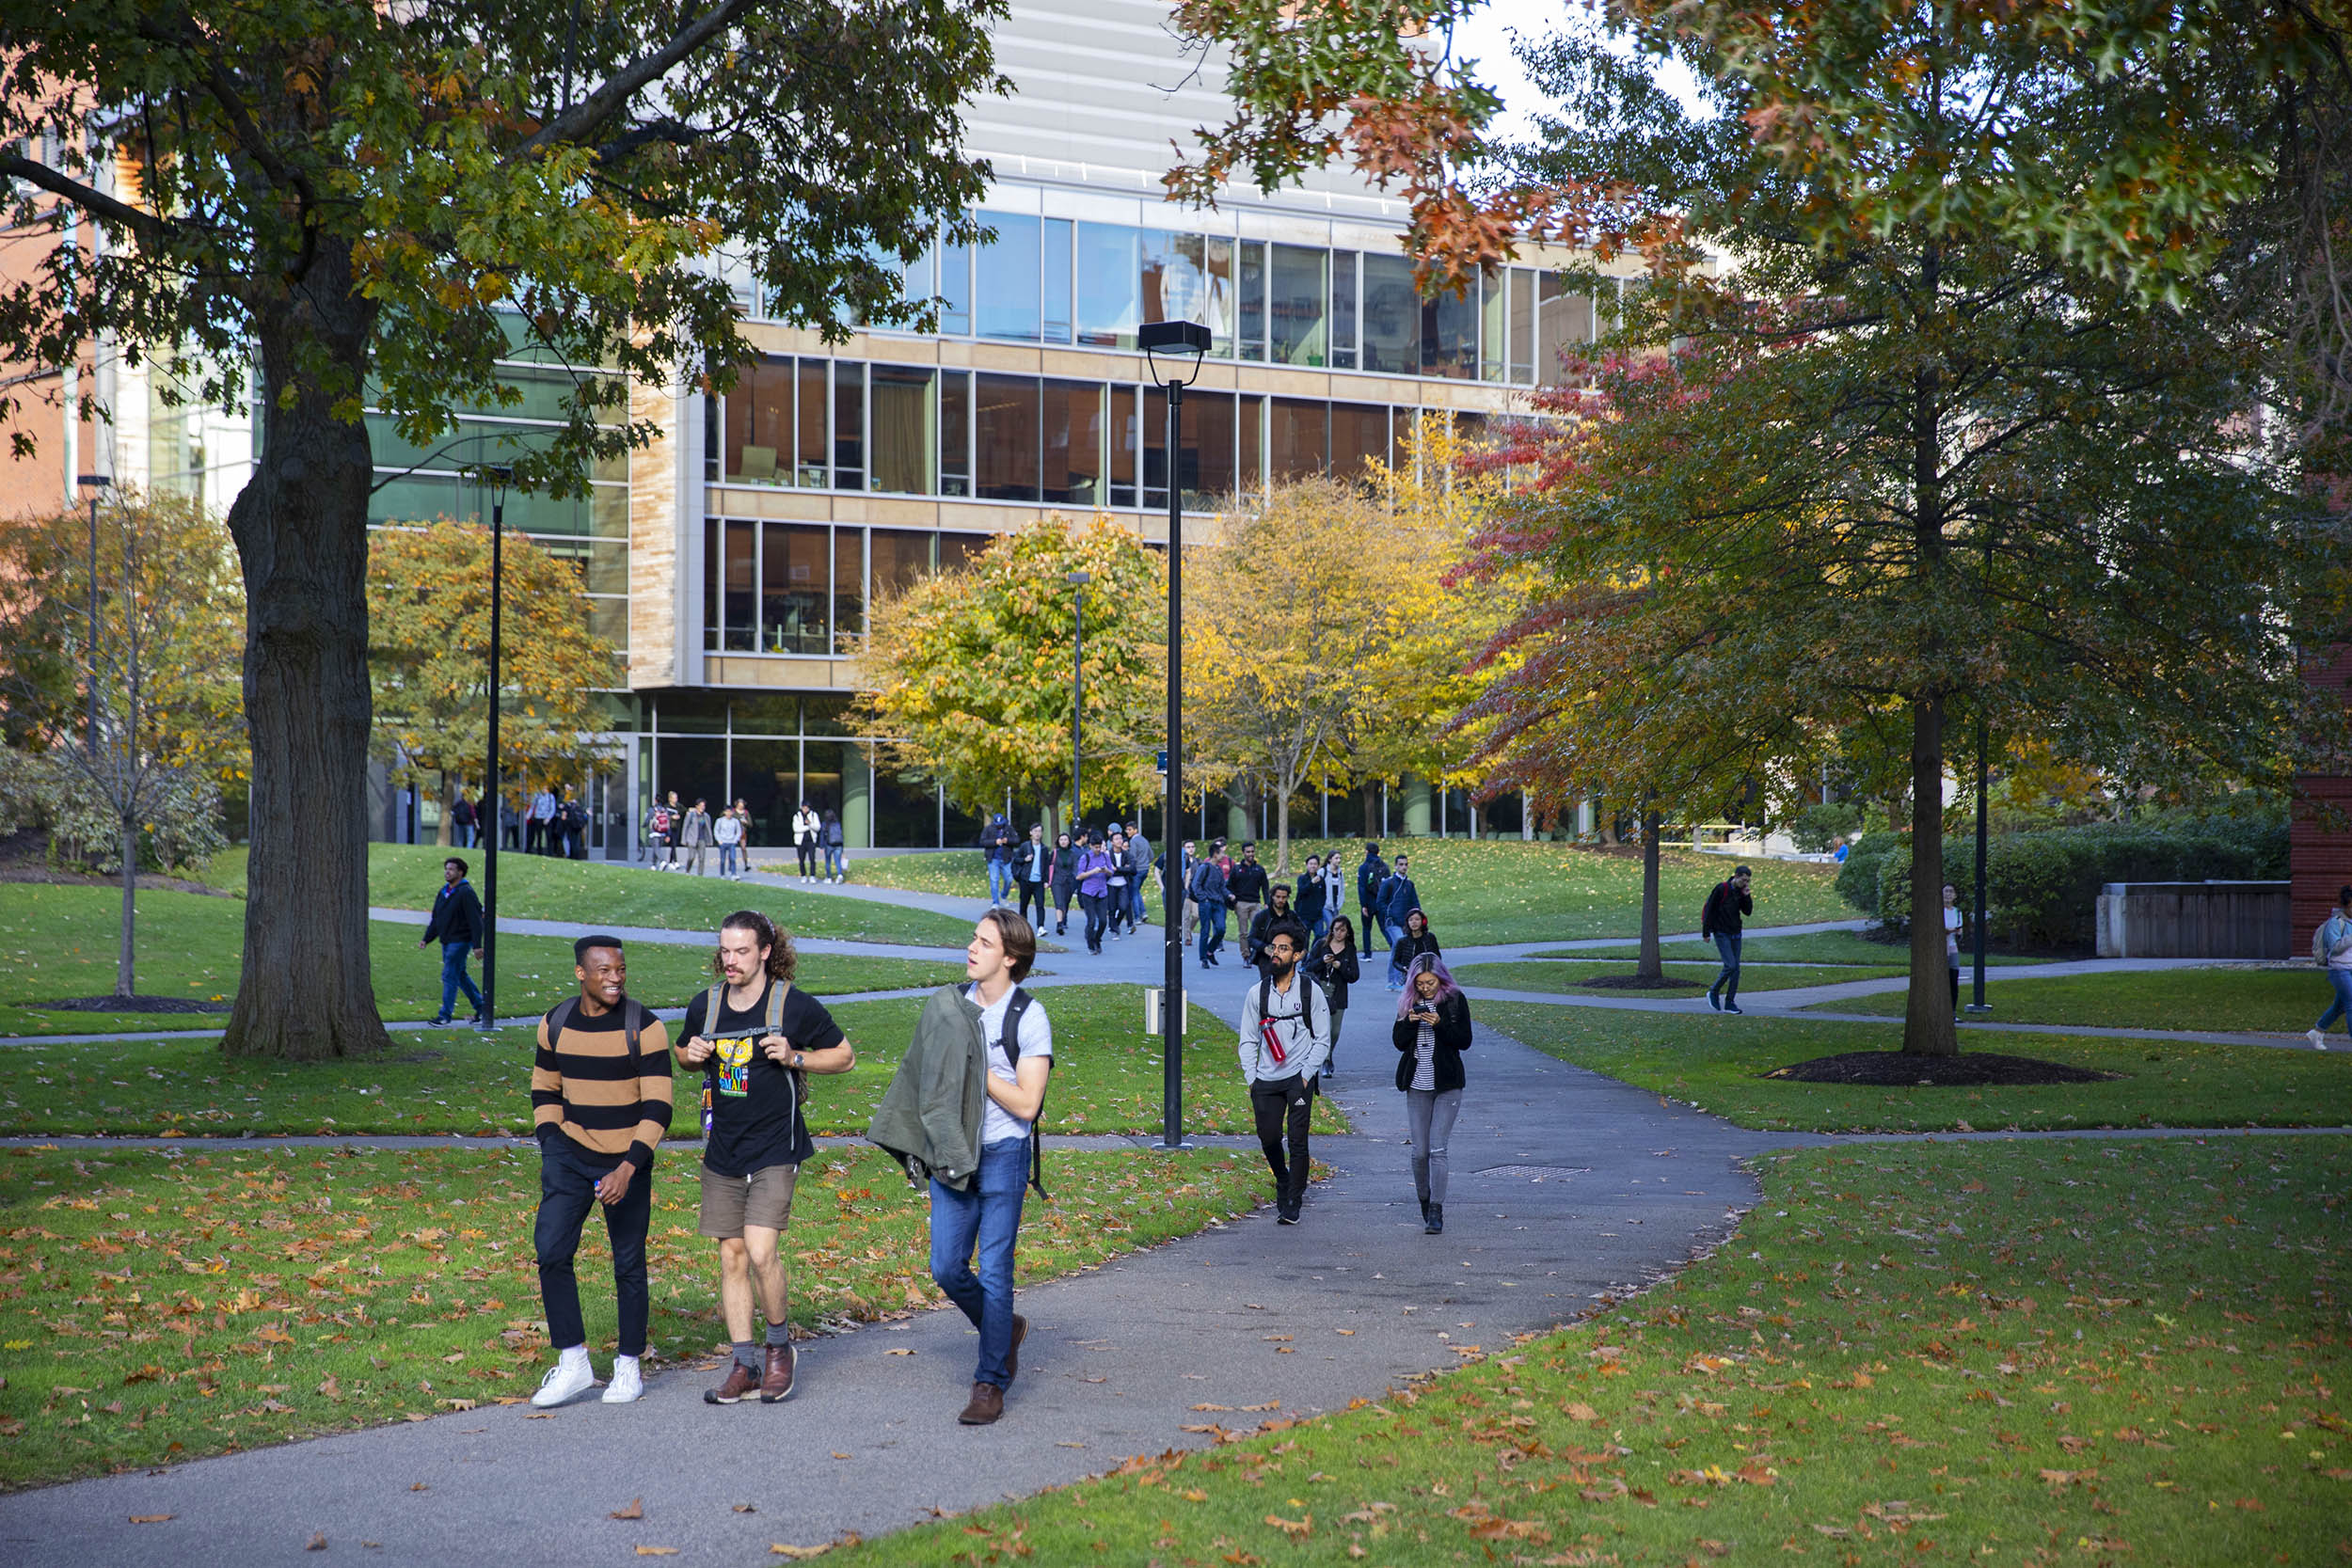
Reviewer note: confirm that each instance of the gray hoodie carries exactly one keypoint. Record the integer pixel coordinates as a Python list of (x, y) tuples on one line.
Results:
[(1305, 1039)]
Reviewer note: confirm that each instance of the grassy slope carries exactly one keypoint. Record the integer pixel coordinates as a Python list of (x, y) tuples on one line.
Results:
[(2282, 1000), (157, 1308), (60, 942), (1496, 889), (2122, 1353), (1572, 979), (1823, 947), (534, 887), (1106, 1079), (1718, 1062)]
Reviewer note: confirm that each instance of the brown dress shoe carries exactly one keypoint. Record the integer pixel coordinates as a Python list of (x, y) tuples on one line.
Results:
[(740, 1381), (775, 1384), (1013, 1353), (988, 1403)]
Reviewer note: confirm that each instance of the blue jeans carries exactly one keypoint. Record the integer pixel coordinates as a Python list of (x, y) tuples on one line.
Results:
[(1211, 927), (989, 1217), (833, 859), (726, 860), (1138, 905), (454, 978), (999, 880), (2342, 1007), (1727, 944)]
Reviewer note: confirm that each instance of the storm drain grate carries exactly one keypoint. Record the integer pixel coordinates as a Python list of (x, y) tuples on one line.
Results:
[(1534, 1173)]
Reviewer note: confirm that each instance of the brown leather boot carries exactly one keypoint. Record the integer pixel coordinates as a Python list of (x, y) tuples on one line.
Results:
[(775, 1384), (740, 1381), (988, 1403), (1013, 1355)]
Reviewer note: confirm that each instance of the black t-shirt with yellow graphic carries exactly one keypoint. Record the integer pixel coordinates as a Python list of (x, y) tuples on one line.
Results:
[(751, 1124)]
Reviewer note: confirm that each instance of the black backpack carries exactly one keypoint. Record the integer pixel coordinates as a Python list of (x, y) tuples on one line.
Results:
[(1008, 1042)]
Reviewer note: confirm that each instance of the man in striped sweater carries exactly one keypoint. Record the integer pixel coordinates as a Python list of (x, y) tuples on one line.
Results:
[(599, 1103)]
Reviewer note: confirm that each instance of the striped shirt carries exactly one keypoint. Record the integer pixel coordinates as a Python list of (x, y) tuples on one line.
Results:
[(583, 1083)]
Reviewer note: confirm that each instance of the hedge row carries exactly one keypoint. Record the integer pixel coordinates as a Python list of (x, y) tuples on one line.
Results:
[(2042, 887)]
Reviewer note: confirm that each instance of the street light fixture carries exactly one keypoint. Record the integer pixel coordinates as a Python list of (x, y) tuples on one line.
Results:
[(97, 486), (497, 478), (1172, 351), (1077, 580)]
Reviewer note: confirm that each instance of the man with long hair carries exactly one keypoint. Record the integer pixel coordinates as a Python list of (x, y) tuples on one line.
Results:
[(756, 1037)]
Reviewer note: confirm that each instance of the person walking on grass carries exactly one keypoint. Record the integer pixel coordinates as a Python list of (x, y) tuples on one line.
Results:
[(1334, 966), (1370, 873), (456, 923), (1414, 940), (970, 1134), (1209, 890), (756, 1038), (1285, 1035), (600, 1102), (1719, 922), (694, 833), (2331, 948), (1433, 1029), (726, 831), (1033, 867), (1064, 873)]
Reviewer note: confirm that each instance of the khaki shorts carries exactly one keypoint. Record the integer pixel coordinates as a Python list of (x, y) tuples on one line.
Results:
[(763, 1198)]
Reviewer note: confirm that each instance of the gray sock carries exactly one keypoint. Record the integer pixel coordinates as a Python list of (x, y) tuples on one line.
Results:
[(747, 1354), (779, 1334)]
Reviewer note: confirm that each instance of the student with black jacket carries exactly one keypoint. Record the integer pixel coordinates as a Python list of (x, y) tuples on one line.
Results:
[(1433, 1029), (456, 923), (1065, 875), (1334, 966), (1719, 922), (1416, 940)]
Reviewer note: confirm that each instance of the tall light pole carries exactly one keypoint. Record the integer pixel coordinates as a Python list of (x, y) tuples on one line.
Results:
[(96, 484), (1077, 580), (1173, 351), (497, 478)]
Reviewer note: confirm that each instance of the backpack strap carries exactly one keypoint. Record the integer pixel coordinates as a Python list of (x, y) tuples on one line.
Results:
[(1008, 1042)]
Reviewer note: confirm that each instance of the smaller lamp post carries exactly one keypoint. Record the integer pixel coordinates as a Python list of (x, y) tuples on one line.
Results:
[(1173, 351), (497, 478), (1078, 581)]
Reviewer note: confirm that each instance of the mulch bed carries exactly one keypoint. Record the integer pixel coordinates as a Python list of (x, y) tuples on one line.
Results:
[(1901, 1069), (131, 1005)]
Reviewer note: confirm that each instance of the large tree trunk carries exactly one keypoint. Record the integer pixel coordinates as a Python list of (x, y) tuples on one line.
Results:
[(124, 974), (301, 526), (1649, 966), (1283, 837), (440, 834), (1928, 1020)]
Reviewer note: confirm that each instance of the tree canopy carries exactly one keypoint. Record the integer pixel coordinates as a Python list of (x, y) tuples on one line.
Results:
[(370, 205)]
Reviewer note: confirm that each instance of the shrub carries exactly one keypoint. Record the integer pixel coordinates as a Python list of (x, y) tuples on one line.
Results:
[(1858, 878), (1817, 828)]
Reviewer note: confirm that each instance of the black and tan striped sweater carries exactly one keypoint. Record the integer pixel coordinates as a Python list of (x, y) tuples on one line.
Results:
[(584, 1083)]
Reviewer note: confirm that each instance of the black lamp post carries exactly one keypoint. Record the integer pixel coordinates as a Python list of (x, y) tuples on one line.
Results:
[(96, 484), (1077, 580), (497, 478), (1173, 351)]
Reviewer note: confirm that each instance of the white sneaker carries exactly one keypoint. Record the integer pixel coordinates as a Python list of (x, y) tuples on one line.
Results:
[(627, 1385), (2319, 1041), (565, 1380)]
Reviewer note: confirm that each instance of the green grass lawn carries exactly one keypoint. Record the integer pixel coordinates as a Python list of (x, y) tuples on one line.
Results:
[(1718, 1063), (156, 1306), (2118, 1354), (59, 942), (2277, 999), (1575, 979), (535, 887), (1812, 947), (1493, 890), (1106, 1079)]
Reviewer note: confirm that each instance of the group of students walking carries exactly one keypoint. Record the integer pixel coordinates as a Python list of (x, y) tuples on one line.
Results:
[(960, 1116), (1107, 871)]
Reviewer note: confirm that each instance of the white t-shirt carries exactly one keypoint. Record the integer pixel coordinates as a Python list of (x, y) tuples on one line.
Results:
[(1951, 932), (1036, 1038)]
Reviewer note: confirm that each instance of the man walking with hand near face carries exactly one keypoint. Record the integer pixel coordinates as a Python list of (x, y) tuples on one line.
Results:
[(755, 1037), (1285, 1039), (599, 1103)]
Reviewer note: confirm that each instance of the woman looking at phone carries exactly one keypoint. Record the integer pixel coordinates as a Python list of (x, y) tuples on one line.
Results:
[(1433, 1029)]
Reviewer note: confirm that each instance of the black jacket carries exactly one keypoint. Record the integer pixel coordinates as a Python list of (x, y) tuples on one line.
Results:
[(1246, 882), (456, 914), (1454, 1038), (1065, 873), (1724, 906), (1370, 873), (1409, 947), (1262, 930), (1333, 971)]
